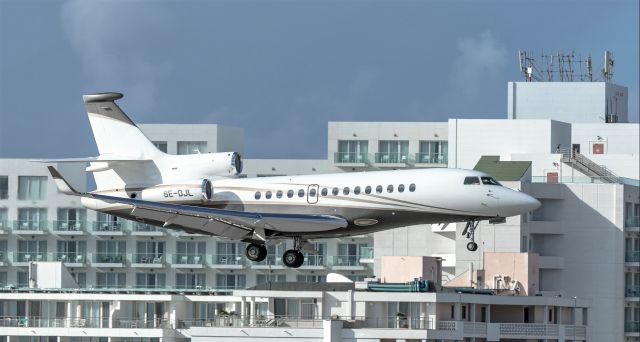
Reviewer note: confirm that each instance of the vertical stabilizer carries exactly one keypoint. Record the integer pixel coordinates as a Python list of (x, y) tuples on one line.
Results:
[(114, 132)]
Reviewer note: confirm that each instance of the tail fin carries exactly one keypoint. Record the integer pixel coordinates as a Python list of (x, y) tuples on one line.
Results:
[(114, 132)]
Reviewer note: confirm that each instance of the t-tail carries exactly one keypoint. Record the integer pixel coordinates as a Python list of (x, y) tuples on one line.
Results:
[(128, 159)]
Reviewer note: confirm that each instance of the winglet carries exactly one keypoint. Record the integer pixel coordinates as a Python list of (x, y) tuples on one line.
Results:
[(61, 183)]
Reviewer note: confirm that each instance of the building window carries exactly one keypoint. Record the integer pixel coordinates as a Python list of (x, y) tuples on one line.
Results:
[(190, 252), (270, 278), (348, 254), (433, 152), (230, 281), (311, 278), (150, 252), (4, 219), (71, 251), (352, 151), (190, 280), (80, 278), (111, 280), (3, 278), (192, 147), (598, 148), (150, 280), (23, 279), (3, 251), (70, 219), (32, 188), (31, 250), (161, 145), (317, 259), (392, 151), (31, 218), (4, 187)]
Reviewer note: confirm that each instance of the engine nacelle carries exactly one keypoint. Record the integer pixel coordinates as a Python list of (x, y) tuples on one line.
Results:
[(195, 192), (207, 164)]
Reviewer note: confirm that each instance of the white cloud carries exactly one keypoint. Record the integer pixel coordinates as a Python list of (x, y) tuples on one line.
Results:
[(109, 37)]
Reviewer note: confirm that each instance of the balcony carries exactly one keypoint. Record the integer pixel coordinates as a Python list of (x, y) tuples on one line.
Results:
[(632, 223), (30, 227), (143, 229), (108, 228), (431, 159), (69, 227), (4, 226), (350, 159), (391, 159), (366, 255), (632, 327), (632, 257), (228, 261), (187, 261), (632, 291), (314, 261), (24, 258), (270, 262), (70, 259), (149, 260), (108, 260), (347, 262), (3, 258)]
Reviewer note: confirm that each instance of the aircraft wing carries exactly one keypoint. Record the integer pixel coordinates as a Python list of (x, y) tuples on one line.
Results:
[(227, 223), (102, 158)]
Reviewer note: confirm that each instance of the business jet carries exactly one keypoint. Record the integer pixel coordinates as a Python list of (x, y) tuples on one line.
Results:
[(203, 193)]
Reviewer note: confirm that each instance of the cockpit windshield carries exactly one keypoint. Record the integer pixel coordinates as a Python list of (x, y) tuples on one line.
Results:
[(489, 181), (471, 180)]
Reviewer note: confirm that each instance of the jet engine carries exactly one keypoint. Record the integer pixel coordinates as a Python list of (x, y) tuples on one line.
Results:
[(202, 165)]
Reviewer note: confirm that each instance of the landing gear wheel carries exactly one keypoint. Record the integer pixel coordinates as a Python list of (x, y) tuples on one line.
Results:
[(256, 252), (293, 258), (472, 246)]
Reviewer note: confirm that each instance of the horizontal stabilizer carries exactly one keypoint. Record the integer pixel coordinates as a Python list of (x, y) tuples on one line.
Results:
[(61, 183), (92, 159)]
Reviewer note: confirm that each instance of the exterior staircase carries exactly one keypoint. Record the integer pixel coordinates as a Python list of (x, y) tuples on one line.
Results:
[(588, 167)]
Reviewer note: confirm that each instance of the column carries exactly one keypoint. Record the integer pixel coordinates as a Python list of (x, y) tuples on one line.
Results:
[(252, 315)]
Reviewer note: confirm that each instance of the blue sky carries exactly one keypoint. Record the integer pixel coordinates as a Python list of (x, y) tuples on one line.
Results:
[(282, 69)]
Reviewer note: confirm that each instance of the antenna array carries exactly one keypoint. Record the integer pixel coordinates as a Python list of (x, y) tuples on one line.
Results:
[(563, 67)]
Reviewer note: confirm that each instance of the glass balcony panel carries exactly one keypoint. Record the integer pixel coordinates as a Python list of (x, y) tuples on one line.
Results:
[(315, 260), (632, 222), (392, 158), (108, 226), (633, 256), (270, 260), (228, 259), (29, 257), (346, 260), (4, 224), (29, 225), (632, 327), (188, 259), (69, 226), (144, 227), (431, 158), (350, 158), (148, 258), (366, 252), (78, 258), (108, 258)]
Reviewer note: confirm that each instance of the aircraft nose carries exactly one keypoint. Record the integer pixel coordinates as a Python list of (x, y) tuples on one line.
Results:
[(517, 203), (529, 203)]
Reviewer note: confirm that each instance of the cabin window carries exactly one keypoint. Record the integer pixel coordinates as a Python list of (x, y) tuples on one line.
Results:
[(401, 188), (335, 191), (489, 181), (279, 194), (257, 195), (356, 190), (412, 187), (389, 188), (290, 193), (367, 190), (345, 191), (324, 191), (312, 193), (471, 180), (379, 189), (300, 193), (267, 195)]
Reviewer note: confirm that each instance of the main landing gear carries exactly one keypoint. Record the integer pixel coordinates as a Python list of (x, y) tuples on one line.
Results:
[(470, 232), (292, 258)]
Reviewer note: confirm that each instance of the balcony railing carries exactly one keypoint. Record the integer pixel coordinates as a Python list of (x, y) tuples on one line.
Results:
[(315, 260), (632, 327), (431, 158), (632, 222), (108, 258), (633, 256), (4, 224), (148, 258), (45, 322), (69, 226), (29, 257), (187, 259), (632, 291), (366, 252), (270, 260), (144, 227), (350, 158), (126, 323), (108, 226), (71, 257), (391, 158), (228, 259), (346, 260), (29, 225)]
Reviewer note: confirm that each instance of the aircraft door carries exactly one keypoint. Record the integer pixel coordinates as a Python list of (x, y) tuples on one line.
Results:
[(313, 193)]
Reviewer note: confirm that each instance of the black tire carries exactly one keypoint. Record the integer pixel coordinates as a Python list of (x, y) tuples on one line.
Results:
[(472, 246), (292, 258), (256, 252)]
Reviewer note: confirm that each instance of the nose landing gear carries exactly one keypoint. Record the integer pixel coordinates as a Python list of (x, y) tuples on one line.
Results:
[(470, 232)]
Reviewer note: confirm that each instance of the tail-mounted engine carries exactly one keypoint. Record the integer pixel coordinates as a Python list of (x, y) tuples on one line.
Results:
[(186, 193)]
